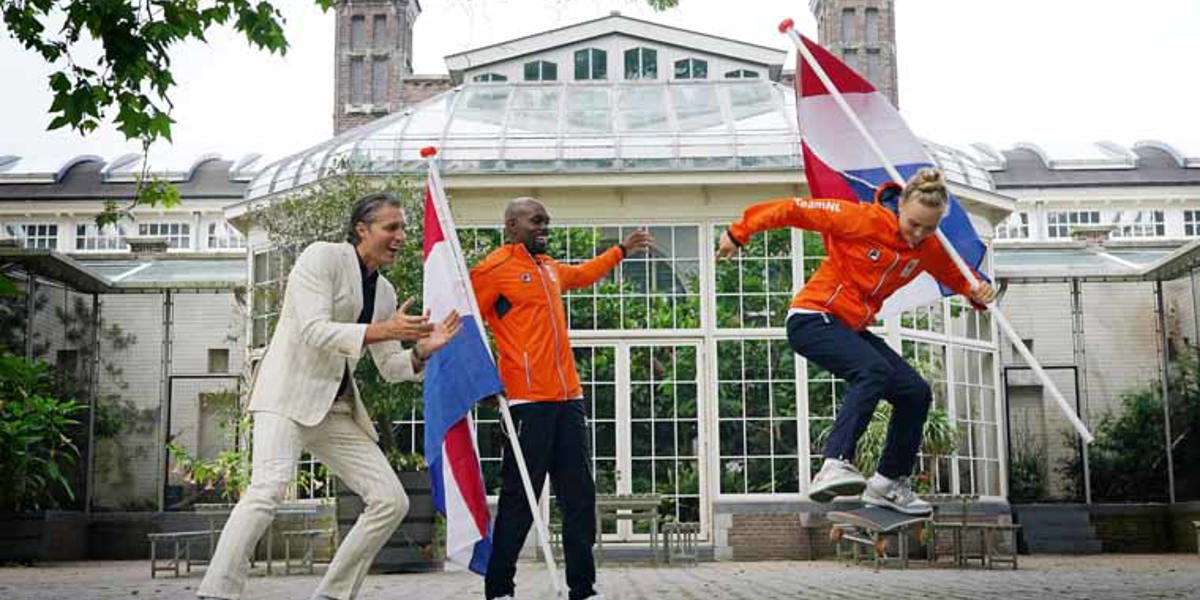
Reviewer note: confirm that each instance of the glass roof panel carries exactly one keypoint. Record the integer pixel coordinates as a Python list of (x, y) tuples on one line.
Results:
[(697, 109), (579, 126), (642, 108)]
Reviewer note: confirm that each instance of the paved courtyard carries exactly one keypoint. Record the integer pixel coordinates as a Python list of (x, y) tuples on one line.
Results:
[(1093, 578)]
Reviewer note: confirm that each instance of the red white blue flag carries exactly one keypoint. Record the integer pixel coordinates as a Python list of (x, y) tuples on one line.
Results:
[(456, 377)]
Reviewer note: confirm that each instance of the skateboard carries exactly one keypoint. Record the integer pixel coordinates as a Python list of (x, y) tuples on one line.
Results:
[(870, 527)]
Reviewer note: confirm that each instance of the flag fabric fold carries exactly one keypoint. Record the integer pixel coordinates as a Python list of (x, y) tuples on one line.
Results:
[(838, 162), (456, 377)]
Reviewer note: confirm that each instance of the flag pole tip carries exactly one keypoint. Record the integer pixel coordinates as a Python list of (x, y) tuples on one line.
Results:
[(786, 25), (428, 151)]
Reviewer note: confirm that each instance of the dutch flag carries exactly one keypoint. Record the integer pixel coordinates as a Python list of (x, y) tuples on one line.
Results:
[(457, 376), (839, 164)]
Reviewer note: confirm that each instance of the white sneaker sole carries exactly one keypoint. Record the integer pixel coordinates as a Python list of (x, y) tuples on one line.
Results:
[(845, 486), (882, 502)]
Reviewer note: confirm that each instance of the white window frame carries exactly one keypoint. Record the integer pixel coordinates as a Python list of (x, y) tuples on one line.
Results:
[(686, 68), (90, 238), (179, 240), (1060, 222), (44, 236)]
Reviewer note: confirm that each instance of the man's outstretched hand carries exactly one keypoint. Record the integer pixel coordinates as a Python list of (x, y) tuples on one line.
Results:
[(638, 241), (442, 334)]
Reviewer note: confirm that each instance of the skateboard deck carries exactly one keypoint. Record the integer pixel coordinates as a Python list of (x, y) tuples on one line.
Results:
[(876, 518)]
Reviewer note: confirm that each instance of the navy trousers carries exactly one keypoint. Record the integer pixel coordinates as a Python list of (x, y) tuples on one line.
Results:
[(554, 439), (872, 371)]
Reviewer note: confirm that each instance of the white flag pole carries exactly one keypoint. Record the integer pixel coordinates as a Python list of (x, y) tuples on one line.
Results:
[(437, 192), (787, 26)]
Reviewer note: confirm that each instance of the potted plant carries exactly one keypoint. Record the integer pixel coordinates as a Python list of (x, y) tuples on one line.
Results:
[(35, 450)]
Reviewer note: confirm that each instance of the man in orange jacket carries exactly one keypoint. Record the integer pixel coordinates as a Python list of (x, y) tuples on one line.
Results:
[(519, 289), (873, 250)]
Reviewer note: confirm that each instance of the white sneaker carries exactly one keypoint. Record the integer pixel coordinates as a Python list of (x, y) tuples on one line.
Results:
[(896, 495), (837, 478)]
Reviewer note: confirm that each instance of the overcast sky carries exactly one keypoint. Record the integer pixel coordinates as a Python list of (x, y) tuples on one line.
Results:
[(993, 71)]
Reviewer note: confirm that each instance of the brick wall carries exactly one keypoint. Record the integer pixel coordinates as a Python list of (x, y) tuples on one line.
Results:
[(776, 536)]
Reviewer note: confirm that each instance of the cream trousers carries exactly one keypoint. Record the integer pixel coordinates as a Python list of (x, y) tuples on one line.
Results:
[(350, 454)]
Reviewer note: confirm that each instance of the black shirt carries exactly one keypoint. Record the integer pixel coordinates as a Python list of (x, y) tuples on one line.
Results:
[(369, 278)]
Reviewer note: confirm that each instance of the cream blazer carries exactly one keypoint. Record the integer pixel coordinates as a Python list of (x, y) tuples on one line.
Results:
[(318, 337)]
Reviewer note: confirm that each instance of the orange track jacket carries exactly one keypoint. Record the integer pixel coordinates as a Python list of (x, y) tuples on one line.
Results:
[(521, 299), (867, 258)]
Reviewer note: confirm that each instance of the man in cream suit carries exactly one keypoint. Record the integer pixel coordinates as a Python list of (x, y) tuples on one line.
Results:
[(304, 397)]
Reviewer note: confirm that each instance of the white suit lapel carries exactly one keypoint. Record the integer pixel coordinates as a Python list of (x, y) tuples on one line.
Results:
[(350, 258)]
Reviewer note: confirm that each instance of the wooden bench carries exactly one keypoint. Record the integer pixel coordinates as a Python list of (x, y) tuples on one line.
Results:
[(181, 543)]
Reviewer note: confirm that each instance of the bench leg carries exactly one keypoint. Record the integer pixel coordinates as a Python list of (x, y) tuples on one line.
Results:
[(153, 559)]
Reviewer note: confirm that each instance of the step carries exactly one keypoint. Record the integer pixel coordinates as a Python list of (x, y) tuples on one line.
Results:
[(1064, 546)]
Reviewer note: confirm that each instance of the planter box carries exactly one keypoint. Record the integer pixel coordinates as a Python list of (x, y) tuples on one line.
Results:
[(46, 536), (411, 548)]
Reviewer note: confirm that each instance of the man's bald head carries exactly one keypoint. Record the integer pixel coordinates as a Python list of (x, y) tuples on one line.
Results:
[(527, 222), (518, 206)]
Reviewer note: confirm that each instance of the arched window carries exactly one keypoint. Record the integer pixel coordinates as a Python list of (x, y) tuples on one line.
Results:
[(541, 70), (591, 64), (641, 63), (691, 68)]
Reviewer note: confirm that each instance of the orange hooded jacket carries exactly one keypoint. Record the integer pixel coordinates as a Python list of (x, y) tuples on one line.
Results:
[(520, 297), (868, 259)]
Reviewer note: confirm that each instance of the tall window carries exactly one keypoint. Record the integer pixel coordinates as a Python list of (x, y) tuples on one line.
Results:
[(487, 77), (178, 235), (1015, 227), (975, 413), (379, 80), (591, 64), (541, 70), (874, 64), (358, 81), (90, 238), (34, 235), (1140, 224), (641, 63), (1191, 222), (358, 32), (758, 423), (1059, 223), (223, 235), (848, 26), (379, 36), (691, 68), (872, 31), (742, 74)]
